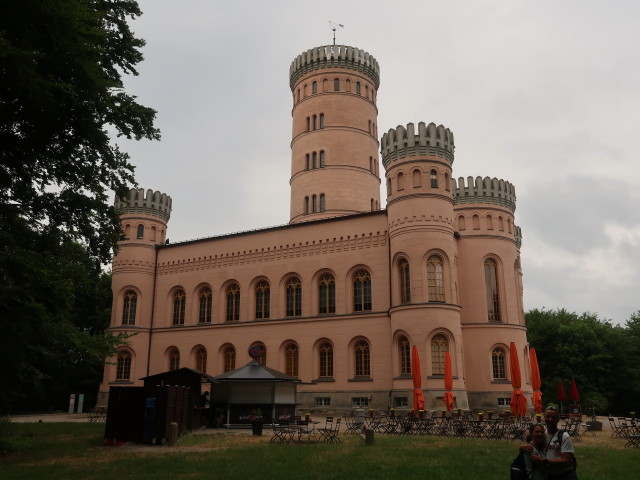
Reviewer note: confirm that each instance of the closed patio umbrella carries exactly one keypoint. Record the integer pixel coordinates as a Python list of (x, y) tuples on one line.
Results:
[(575, 395), (561, 396), (418, 396), (448, 382), (536, 399), (518, 401)]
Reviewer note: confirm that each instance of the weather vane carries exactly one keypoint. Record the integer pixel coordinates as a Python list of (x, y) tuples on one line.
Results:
[(334, 27)]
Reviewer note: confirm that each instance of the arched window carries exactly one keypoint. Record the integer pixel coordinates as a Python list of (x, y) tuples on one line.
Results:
[(462, 224), (498, 364), (174, 360), (400, 181), (322, 120), (388, 187), (294, 297), (306, 205), (140, 231), (404, 349), (308, 124), (417, 178), (206, 302), (297, 99), (489, 222), (501, 223), (233, 302), (306, 162), (362, 359), (314, 203), (439, 345), (348, 82), (405, 281), (229, 359), (327, 287), (362, 291), (262, 359), (315, 122), (201, 360), (336, 84), (447, 182), (129, 308), (321, 158), (123, 366), (314, 87), (325, 353), (291, 360), (263, 300), (433, 175), (314, 162), (358, 88), (325, 85), (322, 202), (435, 279), (179, 300), (491, 286), (476, 222)]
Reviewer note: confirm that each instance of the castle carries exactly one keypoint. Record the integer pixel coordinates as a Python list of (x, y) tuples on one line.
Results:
[(339, 295)]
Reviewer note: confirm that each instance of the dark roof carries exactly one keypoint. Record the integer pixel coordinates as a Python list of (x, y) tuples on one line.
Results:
[(254, 372), (178, 372)]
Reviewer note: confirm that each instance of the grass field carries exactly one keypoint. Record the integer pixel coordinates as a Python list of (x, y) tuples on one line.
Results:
[(75, 451)]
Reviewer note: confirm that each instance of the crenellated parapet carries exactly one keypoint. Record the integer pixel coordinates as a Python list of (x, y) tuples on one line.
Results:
[(484, 190), (334, 56), (404, 142), (153, 203)]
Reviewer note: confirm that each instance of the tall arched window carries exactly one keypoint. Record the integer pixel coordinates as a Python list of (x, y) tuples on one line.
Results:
[(322, 120), (358, 88), (362, 359), (322, 202), (439, 345), (314, 87), (233, 302), (435, 279), (404, 349), (433, 176), (306, 162), (491, 286), (263, 300), (405, 281), (489, 222), (314, 203), (206, 302), (400, 181), (327, 287), (336, 84), (417, 178), (294, 297), (314, 162), (306, 205), (201, 360), (498, 364), (325, 353), (321, 158), (291, 360), (315, 122), (174, 360), (129, 308), (362, 291), (140, 231), (123, 366), (229, 359), (179, 300), (308, 124)]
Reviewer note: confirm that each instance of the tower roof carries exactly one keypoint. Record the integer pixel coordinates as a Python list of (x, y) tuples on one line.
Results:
[(334, 56), (153, 203)]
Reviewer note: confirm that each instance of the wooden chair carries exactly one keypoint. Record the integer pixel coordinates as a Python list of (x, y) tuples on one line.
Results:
[(331, 435)]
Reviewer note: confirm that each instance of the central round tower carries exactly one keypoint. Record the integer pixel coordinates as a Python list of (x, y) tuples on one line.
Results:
[(334, 147)]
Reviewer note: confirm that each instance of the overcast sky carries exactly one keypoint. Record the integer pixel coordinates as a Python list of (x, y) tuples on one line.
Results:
[(544, 94)]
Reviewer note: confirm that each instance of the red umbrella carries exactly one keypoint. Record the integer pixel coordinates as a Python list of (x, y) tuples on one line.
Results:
[(536, 399), (575, 395), (418, 396), (561, 395), (448, 382), (518, 401)]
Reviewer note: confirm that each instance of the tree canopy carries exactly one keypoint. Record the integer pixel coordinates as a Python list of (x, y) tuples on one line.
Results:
[(602, 357), (62, 107)]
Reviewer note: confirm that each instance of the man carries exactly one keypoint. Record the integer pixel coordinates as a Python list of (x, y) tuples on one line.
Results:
[(558, 454)]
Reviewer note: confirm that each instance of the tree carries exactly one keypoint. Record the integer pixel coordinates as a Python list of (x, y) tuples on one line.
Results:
[(61, 99), (61, 104)]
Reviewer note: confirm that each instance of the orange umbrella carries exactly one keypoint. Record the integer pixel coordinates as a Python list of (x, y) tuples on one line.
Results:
[(418, 396), (448, 382), (535, 381), (518, 401)]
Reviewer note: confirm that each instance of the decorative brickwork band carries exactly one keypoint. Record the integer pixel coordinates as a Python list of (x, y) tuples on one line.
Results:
[(334, 56), (484, 190), (403, 142), (154, 203)]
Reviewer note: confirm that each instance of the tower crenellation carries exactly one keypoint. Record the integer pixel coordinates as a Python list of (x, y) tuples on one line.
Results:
[(404, 142), (153, 203), (334, 56), (484, 190)]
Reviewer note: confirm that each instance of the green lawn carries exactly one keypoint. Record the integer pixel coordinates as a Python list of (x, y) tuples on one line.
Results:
[(75, 451)]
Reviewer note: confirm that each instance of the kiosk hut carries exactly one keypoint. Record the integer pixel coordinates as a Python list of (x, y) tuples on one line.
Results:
[(253, 393)]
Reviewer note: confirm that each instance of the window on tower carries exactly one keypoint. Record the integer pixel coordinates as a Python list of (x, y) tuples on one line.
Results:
[(434, 179), (322, 202), (314, 203), (358, 88), (491, 286), (129, 308), (435, 279), (336, 84), (179, 301), (314, 87), (233, 302), (140, 232), (321, 158), (362, 291), (322, 120), (439, 345), (405, 282)]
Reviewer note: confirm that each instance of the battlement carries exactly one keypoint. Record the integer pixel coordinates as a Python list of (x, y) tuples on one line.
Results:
[(403, 142), (153, 203), (484, 190), (334, 56)]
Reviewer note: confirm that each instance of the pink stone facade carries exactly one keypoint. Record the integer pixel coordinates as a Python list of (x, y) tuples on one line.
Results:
[(337, 297)]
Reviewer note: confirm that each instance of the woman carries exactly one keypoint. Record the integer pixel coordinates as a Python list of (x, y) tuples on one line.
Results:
[(535, 459)]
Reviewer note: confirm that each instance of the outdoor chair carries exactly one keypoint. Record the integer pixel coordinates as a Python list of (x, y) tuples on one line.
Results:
[(331, 434), (616, 429), (282, 433), (325, 431), (573, 429), (632, 435), (353, 426), (305, 432)]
